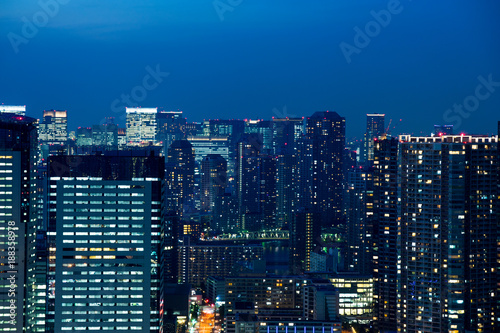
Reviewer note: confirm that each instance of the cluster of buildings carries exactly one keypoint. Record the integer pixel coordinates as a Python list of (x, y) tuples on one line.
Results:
[(111, 228)]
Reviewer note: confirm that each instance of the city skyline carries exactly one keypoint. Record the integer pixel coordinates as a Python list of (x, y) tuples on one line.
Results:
[(245, 59), (232, 166)]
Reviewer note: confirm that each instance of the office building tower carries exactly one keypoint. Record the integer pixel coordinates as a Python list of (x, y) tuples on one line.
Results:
[(18, 215), (171, 127), (180, 175), (141, 126), (84, 136), (233, 129), (216, 290), (122, 138), (280, 294), (287, 132), (374, 128), (385, 234), (193, 129), (321, 301), (105, 136), (198, 262), (440, 130), (265, 129), (105, 217), (213, 185), (205, 145), (325, 132), (175, 308), (448, 234), (359, 213), (355, 296), (20, 110), (53, 129)]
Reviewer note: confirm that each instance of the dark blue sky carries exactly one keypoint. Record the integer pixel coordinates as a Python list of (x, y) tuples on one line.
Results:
[(281, 55)]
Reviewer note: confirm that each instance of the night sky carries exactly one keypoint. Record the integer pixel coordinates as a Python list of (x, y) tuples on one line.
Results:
[(256, 59)]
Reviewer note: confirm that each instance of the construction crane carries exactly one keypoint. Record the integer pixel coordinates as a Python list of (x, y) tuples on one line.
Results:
[(389, 126)]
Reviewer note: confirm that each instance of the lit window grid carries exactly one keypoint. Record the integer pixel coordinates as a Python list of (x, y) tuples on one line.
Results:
[(89, 240)]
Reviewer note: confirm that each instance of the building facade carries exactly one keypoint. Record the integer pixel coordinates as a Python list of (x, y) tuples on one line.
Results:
[(141, 126), (105, 216), (18, 214), (448, 234)]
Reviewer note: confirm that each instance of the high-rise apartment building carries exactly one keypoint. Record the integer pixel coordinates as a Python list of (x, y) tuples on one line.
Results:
[(180, 175), (18, 214), (213, 185), (448, 234), (105, 216), (305, 236), (385, 234), (360, 223), (141, 126), (248, 181), (325, 134), (287, 132), (267, 191)]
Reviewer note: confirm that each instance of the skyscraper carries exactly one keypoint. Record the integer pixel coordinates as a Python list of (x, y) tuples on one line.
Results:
[(105, 136), (374, 128), (385, 234), (305, 235), (447, 278), (213, 185), (256, 184), (53, 129), (359, 211), (325, 132), (265, 129), (287, 132), (104, 220), (141, 126), (171, 126), (233, 129), (267, 191), (180, 175), (18, 213)]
